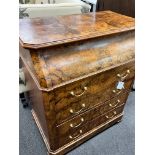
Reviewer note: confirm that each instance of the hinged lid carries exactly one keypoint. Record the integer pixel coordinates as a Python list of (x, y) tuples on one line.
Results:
[(43, 32), (101, 41)]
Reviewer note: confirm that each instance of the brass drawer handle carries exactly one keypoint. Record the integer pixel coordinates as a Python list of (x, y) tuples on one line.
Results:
[(73, 137), (114, 113), (123, 76), (75, 126), (116, 91), (114, 105), (78, 95), (82, 105)]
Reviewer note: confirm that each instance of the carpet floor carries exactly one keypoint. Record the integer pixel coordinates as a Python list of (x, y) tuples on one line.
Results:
[(116, 140)]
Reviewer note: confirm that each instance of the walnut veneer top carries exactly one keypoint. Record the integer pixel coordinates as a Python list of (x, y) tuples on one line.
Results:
[(44, 32)]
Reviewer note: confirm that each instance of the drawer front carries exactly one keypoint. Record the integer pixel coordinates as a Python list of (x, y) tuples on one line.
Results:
[(77, 133), (103, 82), (102, 95), (87, 116)]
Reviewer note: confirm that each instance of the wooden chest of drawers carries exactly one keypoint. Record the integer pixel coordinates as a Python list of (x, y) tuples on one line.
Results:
[(81, 69)]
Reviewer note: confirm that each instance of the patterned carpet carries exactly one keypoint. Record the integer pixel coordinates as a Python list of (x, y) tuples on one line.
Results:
[(117, 140)]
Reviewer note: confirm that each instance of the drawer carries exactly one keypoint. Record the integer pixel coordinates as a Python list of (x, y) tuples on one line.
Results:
[(87, 116), (104, 83), (79, 132), (85, 104)]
